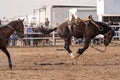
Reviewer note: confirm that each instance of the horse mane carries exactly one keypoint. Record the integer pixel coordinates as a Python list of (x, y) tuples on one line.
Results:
[(15, 22), (11, 22)]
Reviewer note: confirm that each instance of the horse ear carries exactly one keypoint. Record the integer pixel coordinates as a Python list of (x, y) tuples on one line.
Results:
[(18, 19), (23, 19)]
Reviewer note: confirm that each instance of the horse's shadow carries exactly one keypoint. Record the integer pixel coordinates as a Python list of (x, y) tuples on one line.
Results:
[(56, 66), (47, 63)]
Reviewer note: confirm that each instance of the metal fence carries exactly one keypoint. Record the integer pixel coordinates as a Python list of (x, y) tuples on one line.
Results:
[(117, 32), (53, 36)]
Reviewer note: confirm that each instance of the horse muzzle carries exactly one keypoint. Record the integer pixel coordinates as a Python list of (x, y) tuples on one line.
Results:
[(106, 44)]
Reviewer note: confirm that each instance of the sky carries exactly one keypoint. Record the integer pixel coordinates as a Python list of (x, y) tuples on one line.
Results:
[(14, 8)]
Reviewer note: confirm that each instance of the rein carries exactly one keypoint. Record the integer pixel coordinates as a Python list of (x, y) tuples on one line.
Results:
[(99, 27), (99, 49), (10, 27)]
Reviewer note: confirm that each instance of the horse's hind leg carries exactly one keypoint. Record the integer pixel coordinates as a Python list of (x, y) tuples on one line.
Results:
[(8, 55), (67, 47)]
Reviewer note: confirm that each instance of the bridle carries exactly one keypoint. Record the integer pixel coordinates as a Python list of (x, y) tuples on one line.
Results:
[(18, 32)]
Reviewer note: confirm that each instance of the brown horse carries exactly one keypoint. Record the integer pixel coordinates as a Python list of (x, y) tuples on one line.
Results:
[(81, 29), (5, 33)]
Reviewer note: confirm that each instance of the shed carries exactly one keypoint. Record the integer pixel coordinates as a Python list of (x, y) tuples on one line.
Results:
[(59, 13), (108, 10)]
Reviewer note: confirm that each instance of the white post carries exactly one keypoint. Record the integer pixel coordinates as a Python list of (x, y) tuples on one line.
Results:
[(100, 18), (53, 36)]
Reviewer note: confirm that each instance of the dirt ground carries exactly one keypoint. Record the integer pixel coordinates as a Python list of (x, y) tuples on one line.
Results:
[(54, 63)]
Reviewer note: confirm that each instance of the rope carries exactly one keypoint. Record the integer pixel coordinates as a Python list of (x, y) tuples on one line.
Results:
[(99, 27), (10, 27), (98, 49)]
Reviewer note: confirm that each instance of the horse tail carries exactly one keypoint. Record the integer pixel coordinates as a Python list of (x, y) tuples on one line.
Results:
[(46, 30)]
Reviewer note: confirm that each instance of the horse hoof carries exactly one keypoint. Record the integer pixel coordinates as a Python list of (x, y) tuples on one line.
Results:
[(72, 55), (10, 66), (77, 55)]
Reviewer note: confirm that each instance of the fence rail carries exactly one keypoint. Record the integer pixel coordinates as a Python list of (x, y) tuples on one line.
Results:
[(53, 36), (117, 32)]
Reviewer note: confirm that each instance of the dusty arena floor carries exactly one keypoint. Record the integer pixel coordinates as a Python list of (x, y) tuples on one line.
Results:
[(49, 63)]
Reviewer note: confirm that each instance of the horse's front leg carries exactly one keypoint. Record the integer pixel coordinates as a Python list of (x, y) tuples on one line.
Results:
[(86, 45), (8, 55), (67, 47)]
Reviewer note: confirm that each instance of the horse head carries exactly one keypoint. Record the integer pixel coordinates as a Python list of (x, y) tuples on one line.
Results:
[(18, 27), (106, 30), (108, 36)]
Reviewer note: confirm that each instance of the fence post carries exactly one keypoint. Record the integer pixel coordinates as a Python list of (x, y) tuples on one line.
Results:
[(53, 36)]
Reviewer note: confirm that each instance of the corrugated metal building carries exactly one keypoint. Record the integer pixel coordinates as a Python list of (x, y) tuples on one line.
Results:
[(108, 9), (104, 11), (58, 13)]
